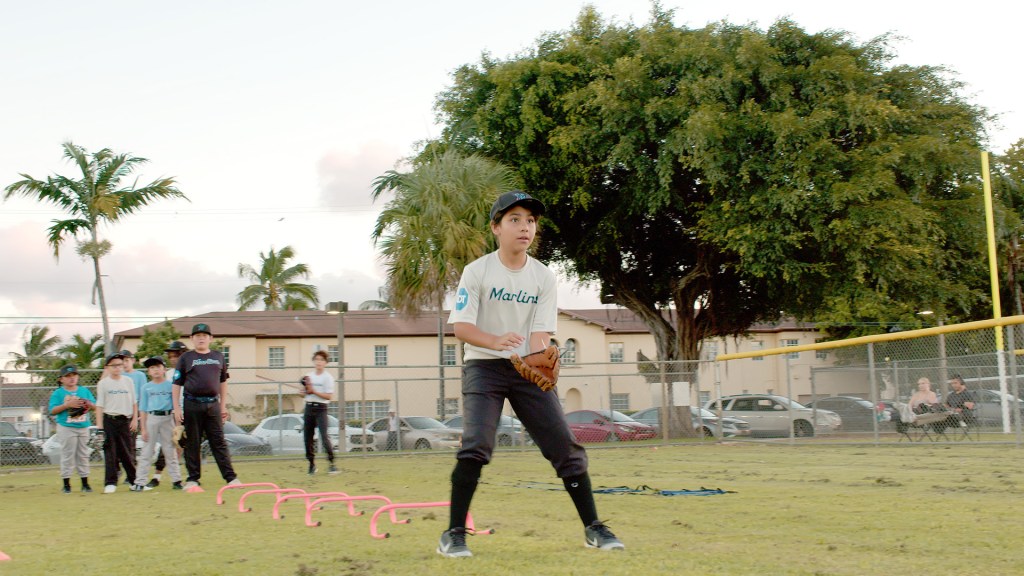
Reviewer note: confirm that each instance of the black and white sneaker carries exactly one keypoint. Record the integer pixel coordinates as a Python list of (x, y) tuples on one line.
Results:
[(312, 469), (599, 536), (333, 469), (453, 544), (139, 488), (153, 483)]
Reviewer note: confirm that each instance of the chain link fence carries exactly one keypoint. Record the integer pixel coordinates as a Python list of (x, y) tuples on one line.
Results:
[(875, 384)]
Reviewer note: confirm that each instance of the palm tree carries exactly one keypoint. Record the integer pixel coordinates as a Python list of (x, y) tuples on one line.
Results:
[(435, 225), (95, 198), (82, 352), (274, 283), (38, 346)]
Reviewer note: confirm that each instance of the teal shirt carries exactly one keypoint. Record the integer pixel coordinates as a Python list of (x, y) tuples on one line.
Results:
[(60, 395)]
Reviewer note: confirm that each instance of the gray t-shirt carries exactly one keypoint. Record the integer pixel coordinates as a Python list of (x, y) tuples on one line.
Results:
[(498, 300)]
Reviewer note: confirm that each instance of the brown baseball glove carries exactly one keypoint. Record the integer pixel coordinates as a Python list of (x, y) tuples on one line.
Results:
[(541, 368)]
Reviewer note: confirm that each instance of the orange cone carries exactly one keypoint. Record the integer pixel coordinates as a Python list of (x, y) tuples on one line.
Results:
[(194, 489), (4, 557)]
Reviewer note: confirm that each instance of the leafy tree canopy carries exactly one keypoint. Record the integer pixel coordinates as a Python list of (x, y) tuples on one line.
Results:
[(735, 175)]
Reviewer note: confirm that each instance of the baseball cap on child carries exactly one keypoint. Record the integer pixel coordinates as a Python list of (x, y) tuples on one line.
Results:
[(513, 198), (201, 328), (69, 369)]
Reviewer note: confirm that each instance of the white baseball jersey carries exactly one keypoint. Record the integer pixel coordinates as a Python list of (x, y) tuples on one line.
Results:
[(498, 300)]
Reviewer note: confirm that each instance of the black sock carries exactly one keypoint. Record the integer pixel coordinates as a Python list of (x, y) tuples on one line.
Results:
[(582, 495), (464, 480), (85, 481), (67, 483)]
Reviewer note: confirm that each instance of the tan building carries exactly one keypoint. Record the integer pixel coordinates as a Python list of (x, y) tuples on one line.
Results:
[(391, 361)]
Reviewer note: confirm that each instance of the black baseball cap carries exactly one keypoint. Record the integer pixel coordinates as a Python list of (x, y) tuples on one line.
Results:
[(69, 369), (114, 356), (127, 353), (201, 328), (153, 360), (514, 198), (176, 347)]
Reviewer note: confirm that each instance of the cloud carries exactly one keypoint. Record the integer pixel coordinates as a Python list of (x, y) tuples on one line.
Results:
[(346, 178)]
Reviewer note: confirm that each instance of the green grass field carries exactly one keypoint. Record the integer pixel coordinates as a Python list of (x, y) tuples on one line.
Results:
[(814, 510)]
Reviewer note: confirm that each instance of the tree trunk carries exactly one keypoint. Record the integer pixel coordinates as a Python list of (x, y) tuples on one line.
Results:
[(107, 344)]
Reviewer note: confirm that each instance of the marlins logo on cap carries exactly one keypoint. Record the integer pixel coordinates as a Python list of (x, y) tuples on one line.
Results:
[(198, 328), (513, 198)]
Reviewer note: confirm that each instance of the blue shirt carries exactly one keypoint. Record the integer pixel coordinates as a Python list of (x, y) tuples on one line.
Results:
[(58, 397), (156, 396), (139, 379)]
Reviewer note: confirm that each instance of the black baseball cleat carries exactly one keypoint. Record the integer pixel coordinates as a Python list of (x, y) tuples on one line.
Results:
[(333, 469), (312, 469), (453, 544), (599, 536), (177, 486), (66, 489), (153, 483)]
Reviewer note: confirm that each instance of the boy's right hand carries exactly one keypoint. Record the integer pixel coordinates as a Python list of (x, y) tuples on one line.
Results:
[(508, 341)]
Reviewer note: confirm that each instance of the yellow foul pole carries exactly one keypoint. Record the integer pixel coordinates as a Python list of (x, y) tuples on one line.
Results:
[(993, 264)]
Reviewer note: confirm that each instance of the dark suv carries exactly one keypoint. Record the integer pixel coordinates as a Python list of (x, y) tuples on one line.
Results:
[(17, 449)]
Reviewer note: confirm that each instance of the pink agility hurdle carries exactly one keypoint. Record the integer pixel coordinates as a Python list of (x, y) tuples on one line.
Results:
[(220, 493), (306, 496), (316, 505), (391, 507), (278, 492)]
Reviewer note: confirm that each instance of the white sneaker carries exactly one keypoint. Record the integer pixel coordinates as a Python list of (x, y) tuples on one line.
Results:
[(110, 488), (235, 482), (191, 484)]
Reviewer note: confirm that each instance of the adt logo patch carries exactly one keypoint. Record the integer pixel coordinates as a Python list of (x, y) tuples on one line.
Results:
[(461, 299)]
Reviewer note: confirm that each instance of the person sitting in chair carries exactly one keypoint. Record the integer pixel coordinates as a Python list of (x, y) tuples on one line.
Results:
[(961, 401), (924, 399)]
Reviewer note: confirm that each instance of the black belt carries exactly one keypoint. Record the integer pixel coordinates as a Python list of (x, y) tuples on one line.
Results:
[(160, 412), (116, 416), (202, 399), (316, 403)]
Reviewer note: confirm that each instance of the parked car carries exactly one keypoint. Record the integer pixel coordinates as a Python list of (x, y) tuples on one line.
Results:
[(772, 415), (989, 411), (510, 430), (18, 449), (240, 443), (417, 433), (593, 426), (704, 422), (284, 434), (857, 414)]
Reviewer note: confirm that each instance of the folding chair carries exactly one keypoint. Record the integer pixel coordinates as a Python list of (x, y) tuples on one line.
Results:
[(916, 427)]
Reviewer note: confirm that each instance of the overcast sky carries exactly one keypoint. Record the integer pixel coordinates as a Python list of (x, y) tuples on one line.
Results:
[(274, 117)]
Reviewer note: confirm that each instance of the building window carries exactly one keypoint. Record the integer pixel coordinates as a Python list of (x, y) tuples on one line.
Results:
[(709, 351), (703, 396), (620, 402), (451, 406), (787, 343), (616, 352), (380, 355), (275, 357), (332, 353), (820, 354), (757, 345), (366, 412), (226, 351), (569, 355), (449, 355)]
